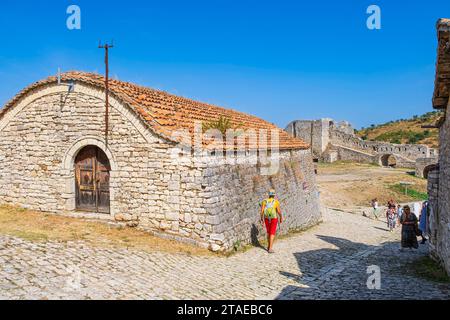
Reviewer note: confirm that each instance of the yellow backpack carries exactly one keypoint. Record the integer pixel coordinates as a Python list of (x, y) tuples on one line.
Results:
[(270, 211)]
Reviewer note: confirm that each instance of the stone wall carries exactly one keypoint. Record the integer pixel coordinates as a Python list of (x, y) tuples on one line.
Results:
[(238, 190), (203, 204), (442, 200), (424, 165), (410, 151), (433, 196), (348, 154), (320, 136), (345, 126), (329, 137)]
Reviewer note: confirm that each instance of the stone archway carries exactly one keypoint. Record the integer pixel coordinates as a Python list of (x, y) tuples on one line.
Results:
[(69, 169), (92, 187), (388, 160), (427, 170)]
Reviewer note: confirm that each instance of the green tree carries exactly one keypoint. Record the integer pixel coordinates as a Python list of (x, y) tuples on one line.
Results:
[(222, 124)]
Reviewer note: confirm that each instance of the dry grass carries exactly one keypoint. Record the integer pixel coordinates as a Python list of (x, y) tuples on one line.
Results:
[(345, 185), (39, 226)]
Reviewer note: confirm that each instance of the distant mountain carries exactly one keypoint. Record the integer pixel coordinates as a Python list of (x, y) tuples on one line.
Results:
[(407, 131)]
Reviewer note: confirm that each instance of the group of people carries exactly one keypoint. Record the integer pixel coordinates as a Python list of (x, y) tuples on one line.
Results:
[(414, 223)]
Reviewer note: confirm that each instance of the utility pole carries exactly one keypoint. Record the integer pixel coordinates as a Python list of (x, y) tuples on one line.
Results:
[(106, 46)]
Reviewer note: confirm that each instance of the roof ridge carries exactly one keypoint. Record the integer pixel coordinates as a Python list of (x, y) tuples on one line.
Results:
[(168, 94), (166, 113)]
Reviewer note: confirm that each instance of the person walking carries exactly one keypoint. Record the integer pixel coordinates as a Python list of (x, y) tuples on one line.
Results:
[(409, 229), (374, 204), (423, 222), (270, 216), (391, 219), (391, 204)]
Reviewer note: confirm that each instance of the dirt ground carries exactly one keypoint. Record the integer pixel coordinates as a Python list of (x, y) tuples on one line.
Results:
[(44, 227), (350, 185)]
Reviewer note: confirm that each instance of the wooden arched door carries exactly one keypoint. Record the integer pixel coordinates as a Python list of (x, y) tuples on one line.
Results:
[(92, 180)]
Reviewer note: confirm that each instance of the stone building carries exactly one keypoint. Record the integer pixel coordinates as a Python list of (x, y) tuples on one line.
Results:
[(439, 179), (333, 141), (160, 169)]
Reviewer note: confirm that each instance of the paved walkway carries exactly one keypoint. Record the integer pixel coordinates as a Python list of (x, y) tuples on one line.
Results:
[(327, 262)]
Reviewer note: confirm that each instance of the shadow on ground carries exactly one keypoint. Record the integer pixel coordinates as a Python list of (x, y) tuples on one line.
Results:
[(342, 273), (254, 235)]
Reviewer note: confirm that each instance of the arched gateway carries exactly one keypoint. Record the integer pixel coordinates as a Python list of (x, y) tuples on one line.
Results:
[(429, 168), (92, 180), (388, 160)]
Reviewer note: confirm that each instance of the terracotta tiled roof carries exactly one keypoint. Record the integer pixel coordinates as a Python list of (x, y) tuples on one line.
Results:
[(165, 113), (442, 79)]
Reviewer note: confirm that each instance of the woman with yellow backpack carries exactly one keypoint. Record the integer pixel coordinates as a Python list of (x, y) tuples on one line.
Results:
[(270, 216)]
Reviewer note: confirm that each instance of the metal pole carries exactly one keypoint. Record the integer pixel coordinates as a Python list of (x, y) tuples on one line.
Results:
[(106, 47), (107, 94)]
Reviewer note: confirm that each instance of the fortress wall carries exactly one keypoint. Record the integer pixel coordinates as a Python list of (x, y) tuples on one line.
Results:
[(320, 135), (410, 151), (329, 137)]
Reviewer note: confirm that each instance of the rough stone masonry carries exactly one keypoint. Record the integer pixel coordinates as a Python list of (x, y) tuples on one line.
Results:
[(333, 141), (439, 179), (215, 205)]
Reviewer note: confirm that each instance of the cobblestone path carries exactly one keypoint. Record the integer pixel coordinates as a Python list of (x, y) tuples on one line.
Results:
[(328, 261)]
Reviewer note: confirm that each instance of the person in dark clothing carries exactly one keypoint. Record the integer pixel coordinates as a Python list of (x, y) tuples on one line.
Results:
[(409, 229)]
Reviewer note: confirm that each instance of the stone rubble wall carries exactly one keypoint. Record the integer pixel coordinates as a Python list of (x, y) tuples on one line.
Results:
[(238, 191), (433, 197), (209, 206), (439, 194)]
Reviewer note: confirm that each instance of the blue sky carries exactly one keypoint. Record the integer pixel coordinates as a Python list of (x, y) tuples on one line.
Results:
[(280, 60)]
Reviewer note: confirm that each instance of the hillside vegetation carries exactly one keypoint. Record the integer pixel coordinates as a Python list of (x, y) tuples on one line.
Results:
[(408, 131)]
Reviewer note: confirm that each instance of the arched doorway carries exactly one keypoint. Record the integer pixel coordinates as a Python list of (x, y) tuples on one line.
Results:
[(92, 169), (427, 170), (388, 160)]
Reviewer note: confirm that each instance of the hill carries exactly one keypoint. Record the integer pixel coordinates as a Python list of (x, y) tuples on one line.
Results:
[(407, 131)]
